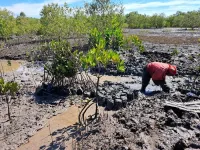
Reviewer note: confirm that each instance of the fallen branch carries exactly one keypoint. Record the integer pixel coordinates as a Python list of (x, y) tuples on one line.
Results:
[(182, 106)]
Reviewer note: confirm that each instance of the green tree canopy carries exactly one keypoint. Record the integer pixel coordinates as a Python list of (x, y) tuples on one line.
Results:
[(54, 20), (7, 23), (103, 14)]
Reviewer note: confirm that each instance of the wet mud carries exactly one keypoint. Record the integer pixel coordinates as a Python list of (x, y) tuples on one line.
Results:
[(140, 121)]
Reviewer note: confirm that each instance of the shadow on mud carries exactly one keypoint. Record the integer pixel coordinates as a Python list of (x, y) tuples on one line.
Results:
[(72, 134), (52, 95), (60, 136)]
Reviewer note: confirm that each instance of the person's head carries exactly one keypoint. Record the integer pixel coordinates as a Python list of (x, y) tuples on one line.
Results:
[(172, 71)]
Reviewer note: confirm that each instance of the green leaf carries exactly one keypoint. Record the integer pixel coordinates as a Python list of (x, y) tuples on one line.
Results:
[(121, 68)]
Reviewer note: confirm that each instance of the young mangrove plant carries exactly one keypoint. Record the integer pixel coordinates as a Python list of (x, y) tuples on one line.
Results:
[(9, 89), (113, 38), (64, 63), (175, 52), (133, 40), (100, 57), (62, 70)]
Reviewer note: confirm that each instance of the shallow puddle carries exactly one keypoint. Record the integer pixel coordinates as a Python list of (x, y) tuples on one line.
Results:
[(112, 78), (57, 133), (14, 65)]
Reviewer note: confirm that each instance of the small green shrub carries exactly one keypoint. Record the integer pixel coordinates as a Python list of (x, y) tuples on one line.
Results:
[(133, 40), (8, 89), (175, 52), (198, 68), (94, 37), (113, 38), (191, 58), (64, 63), (100, 57)]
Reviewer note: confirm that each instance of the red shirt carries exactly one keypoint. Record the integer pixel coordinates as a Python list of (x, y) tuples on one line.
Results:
[(158, 70)]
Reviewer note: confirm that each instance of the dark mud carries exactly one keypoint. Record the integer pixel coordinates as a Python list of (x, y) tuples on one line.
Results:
[(23, 48), (135, 62), (141, 122), (147, 124), (28, 112)]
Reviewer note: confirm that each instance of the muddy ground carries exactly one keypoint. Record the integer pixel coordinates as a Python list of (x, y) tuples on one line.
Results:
[(146, 122), (140, 121), (29, 113)]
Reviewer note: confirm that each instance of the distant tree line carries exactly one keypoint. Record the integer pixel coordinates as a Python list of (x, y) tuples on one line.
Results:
[(189, 19), (63, 21)]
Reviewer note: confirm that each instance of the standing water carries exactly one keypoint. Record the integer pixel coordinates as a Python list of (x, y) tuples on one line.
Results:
[(9, 65)]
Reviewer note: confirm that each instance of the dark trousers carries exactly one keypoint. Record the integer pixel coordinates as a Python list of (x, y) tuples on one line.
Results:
[(146, 78)]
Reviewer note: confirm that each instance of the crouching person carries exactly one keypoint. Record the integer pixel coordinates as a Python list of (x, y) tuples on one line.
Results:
[(157, 71)]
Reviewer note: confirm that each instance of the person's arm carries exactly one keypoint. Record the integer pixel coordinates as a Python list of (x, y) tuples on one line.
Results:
[(163, 85)]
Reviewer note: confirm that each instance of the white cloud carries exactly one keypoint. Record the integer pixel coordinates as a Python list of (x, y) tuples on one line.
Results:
[(149, 8), (168, 7), (33, 9), (161, 4)]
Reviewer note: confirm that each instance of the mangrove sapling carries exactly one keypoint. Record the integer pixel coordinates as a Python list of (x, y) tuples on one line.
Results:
[(175, 53), (8, 89), (63, 70), (113, 38), (64, 63), (100, 57), (133, 40)]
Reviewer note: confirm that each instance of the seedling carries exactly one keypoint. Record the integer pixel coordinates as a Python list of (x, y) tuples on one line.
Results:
[(191, 58), (99, 57), (175, 52), (134, 40), (64, 63), (9, 89), (113, 38)]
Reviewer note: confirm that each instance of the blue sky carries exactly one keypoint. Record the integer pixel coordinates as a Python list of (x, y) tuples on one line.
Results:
[(32, 8)]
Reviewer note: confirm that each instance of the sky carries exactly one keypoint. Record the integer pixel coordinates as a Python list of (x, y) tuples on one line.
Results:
[(32, 8)]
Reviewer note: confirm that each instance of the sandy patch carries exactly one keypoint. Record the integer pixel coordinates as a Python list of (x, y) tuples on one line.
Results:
[(15, 64), (56, 128)]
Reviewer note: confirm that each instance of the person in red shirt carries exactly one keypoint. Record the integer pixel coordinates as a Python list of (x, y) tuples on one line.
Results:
[(157, 71)]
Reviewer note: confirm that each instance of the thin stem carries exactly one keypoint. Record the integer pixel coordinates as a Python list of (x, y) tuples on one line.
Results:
[(97, 97), (50, 132), (7, 101)]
